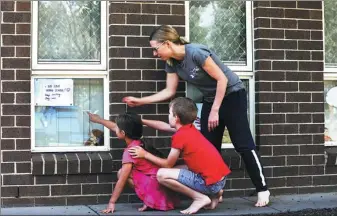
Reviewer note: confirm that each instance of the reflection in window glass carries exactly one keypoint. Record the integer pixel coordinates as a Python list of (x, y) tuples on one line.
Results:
[(69, 31), (69, 126), (330, 112), (220, 25)]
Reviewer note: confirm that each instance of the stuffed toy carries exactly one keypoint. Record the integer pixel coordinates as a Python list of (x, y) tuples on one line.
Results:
[(96, 138)]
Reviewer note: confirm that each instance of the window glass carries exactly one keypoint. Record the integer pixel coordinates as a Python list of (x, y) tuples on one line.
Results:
[(330, 112), (330, 23), (69, 31), (220, 25), (68, 125)]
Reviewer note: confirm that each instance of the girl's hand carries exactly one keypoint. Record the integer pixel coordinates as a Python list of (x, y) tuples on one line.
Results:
[(109, 208), (213, 120), (137, 152), (132, 101), (94, 117)]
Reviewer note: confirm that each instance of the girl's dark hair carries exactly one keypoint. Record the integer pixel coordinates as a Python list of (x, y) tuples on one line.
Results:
[(131, 124)]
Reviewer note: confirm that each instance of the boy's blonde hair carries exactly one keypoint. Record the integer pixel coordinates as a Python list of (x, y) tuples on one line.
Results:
[(185, 109)]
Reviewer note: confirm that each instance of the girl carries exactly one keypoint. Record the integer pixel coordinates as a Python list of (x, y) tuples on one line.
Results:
[(129, 127), (224, 97)]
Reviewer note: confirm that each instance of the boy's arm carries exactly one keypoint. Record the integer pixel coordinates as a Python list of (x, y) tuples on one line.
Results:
[(97, 119), (169, 162), (158, 125)]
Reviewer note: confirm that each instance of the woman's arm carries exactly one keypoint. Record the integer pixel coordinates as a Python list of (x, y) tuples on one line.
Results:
[(125, 173), (97, 119), (216, 73), (172, 81), (158, 125)]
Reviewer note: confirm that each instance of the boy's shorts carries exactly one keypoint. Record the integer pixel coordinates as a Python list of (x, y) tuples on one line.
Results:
[(197, 183)]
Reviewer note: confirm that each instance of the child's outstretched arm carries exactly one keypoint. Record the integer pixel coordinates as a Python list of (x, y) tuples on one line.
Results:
[(97, 119), (169, 162), (158, 125), (125, 173)]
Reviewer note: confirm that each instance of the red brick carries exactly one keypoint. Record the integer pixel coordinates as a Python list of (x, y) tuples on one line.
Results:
[(23, 6)]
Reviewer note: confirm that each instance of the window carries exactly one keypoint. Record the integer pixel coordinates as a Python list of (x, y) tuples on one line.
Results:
[(69, 76), (69, 35), (226, 28), (330, 73), (330, 112)]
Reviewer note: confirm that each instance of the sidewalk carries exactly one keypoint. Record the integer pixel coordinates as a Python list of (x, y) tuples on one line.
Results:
[(232, 206)]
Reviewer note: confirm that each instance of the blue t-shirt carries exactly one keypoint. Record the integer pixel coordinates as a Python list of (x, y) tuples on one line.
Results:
[(190, 69)]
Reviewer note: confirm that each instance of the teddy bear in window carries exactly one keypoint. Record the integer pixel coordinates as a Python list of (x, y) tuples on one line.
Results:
[(96, 138)]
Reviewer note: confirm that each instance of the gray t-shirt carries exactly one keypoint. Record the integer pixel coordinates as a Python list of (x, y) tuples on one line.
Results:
[(190, 69)]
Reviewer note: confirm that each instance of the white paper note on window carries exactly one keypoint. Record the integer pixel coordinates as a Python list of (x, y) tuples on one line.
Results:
[(54, 92)]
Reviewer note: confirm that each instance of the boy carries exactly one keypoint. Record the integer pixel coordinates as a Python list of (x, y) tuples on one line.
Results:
[(206, 174)]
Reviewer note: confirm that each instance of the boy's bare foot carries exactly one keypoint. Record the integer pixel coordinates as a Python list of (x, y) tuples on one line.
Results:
[(215, 201), (197, 204), (143, 208), (262, 198), (220, 196)]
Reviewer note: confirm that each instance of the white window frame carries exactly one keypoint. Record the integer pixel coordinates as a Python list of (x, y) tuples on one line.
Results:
[(71, 70), (36, 66), (249, 37), (244, 71), (330, 72), (106, 146)]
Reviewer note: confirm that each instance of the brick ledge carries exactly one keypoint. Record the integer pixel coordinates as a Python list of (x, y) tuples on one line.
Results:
[(72, 163)]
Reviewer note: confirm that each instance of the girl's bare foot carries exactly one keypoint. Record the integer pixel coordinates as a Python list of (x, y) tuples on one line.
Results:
[(143, 208), (262, 198), (197, 204)]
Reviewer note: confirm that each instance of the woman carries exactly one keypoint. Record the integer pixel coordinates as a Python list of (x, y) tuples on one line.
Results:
[(224, 97)]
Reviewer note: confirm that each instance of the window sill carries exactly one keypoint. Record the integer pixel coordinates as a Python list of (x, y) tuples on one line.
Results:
[(72, 163)]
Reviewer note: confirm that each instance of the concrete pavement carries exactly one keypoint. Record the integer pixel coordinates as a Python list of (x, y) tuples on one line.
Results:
[(231, 206)]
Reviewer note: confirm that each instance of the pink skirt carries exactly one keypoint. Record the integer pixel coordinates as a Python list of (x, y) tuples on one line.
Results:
[(152, 193)]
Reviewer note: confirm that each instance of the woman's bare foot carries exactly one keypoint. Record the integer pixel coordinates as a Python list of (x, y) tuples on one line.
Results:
[(143, 208), (197, 204), (262, 198)]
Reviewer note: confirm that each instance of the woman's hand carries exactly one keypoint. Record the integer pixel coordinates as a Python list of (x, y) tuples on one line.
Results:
[(137, 152), (109, 208), (132, 101), (94, 117), (213, 120)]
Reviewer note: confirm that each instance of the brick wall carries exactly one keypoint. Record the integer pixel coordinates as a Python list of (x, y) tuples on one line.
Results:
[(289, 95), (77, 178), (289, 104)]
